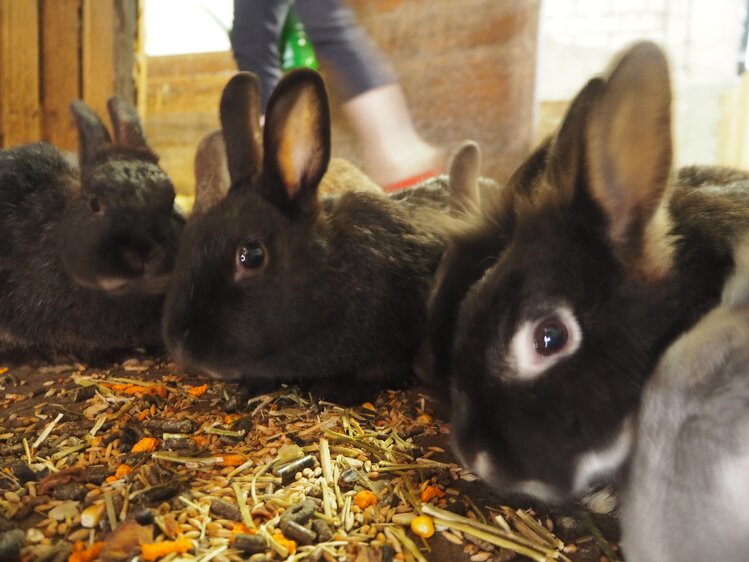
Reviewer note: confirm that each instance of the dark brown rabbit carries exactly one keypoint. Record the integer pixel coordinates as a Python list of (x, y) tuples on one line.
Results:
[(573, 281), (275, 283), (86, 254)]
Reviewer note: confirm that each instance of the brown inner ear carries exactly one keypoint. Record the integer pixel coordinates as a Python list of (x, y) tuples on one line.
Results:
[(629, 142), (298, 143), (629, 157)]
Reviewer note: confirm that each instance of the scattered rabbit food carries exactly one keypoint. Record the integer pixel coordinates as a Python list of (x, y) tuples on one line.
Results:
[(136, 462)]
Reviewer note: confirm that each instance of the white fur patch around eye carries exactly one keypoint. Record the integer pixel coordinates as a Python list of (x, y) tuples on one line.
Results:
[(524, 356)]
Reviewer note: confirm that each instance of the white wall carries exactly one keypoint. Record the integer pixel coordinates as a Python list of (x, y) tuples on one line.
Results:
[(701, 37), (175, 27)]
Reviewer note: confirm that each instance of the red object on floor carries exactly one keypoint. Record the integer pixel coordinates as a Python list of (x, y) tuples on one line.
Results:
[(413, 180)]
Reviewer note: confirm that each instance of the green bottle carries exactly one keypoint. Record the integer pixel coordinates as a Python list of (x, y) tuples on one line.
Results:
[(295, 49)]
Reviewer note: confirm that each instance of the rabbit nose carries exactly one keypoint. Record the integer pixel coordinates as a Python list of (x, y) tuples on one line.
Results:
[(155, 261), (133, 261)]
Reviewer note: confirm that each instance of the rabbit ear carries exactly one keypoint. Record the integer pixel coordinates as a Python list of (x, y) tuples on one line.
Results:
[(126, 125), (211, 172), (628, 146), (463, 177), (240, 121), (297, 139), (565, 158), (92, 134)]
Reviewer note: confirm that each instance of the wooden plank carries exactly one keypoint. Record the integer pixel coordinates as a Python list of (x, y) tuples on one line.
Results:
[(19, 72), (140, 71), (61, 70), (186, 94), (125, 47), (190, 64), (98, 42)]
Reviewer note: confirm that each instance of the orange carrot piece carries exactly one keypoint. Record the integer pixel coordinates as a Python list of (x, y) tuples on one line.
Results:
[(197, 390), (364, 499), (431, 492), (145, 445), (83, 554), (153, 551)]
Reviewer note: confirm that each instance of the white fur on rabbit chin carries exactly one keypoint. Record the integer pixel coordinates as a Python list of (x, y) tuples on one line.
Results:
[(106, 284), (593, 465), (484, 467)]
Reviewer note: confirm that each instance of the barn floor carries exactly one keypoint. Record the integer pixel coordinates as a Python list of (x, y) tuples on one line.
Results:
[(141, 439)]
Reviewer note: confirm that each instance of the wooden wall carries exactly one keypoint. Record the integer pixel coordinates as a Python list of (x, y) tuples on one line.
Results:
[(54, 51), (467, 68)]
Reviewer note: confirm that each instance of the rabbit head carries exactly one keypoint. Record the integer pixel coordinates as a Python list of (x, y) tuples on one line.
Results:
[(247, 264), (120, 231), (562, 325)]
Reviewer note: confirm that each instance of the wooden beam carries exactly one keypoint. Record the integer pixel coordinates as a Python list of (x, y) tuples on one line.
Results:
[(19, 72), (61, 70), (98, 40)]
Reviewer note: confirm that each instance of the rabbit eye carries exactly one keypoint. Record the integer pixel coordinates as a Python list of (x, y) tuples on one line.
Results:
[(550, 336), (539, 344), (251, 258)]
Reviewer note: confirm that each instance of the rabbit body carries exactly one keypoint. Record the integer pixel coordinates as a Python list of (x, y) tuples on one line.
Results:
[(86, 253), (687, 487), (554, 306), (276, 283)]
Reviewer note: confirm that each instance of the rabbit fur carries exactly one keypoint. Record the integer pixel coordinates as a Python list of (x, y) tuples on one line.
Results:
[(86, 253), (687, 487), (556, 301), (275, 283)]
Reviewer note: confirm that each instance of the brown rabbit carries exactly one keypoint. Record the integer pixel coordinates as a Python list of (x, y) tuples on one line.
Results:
[(276, 283), (86, 255)]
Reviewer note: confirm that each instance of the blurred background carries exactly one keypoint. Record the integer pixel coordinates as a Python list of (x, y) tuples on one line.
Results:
[(501, 72)]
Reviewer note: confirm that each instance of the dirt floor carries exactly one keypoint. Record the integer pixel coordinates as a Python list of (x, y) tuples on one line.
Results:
[(137, 458)]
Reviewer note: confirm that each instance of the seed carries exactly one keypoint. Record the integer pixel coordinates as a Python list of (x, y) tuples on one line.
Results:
[(403, 518), (455, 539), (91, 516)]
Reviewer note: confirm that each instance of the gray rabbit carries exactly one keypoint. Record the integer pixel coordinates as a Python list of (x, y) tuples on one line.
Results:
[(688, 486)]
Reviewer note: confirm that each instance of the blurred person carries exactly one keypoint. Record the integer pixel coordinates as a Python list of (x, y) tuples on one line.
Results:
[(395, 156)]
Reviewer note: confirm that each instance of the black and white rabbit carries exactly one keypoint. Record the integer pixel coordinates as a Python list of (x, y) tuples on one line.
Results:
[(574, 280), (275, 283), (86, 254), (687, 489)]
